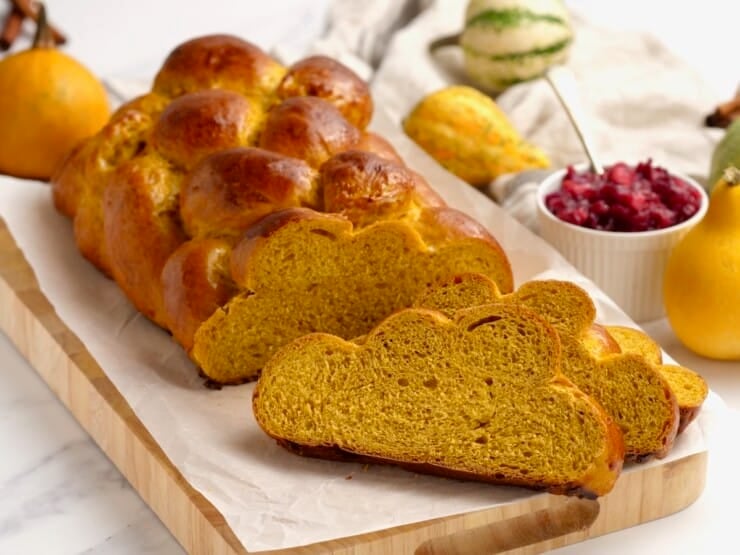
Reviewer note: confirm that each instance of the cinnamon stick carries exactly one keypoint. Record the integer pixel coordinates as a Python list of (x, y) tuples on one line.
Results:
[(11, 28), (724, 114), (32, 12)]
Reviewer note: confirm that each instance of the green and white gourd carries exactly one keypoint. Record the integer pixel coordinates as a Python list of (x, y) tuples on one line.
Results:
[(509, 41)]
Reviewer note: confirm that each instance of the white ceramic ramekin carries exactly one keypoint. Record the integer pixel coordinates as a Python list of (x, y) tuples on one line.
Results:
[(627, 266)]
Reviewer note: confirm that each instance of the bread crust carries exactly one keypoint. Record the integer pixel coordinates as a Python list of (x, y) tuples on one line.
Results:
[(335, 453), (364, 187), (204, 122), (218, 61), (372, 142), (326, 78), (231, 189), (309, 128), (141, 230), (195, 282)]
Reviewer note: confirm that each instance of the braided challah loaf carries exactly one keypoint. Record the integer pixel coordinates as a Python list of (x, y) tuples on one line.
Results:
[(241, 204)]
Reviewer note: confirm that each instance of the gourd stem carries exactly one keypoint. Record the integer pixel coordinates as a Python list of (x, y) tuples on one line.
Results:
[(731, 176), (43, 37), (452, 40)]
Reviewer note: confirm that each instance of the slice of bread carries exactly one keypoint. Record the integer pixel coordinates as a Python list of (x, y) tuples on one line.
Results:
[(631, 340), (631, 389), (479, 396), (690, 388), (302, 271)]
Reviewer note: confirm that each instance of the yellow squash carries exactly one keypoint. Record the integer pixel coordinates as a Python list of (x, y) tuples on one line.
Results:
[(468, 134), (702, 279)]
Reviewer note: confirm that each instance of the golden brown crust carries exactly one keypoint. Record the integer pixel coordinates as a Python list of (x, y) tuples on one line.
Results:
[(441, 225), (450, 223), (686, 415), (142, 230), (372, 142), (67, 183), (426, 195), (201, 123), (328, 79), (195, 282), (232, 189), (599, 342), (334, 453), (218, 61), (309, 128), (365, 187), (124, 137), (151, 104)]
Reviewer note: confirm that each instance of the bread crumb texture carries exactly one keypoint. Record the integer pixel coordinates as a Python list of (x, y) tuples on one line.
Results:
[(478, 396), (315, 272), (636, 393)]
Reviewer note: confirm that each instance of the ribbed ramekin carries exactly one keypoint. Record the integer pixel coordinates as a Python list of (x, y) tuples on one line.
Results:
[(627, 266)]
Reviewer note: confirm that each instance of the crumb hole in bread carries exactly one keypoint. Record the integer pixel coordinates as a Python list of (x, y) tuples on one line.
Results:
[(324, 233), (403, 382), (482, 440), (489, 381), (431, 383), (483, 321)]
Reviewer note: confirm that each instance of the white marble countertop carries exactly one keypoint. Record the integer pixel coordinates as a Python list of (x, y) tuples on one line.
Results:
[(60, 494)]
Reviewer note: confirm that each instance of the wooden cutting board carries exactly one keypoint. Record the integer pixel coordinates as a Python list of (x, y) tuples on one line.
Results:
[(537, 524)]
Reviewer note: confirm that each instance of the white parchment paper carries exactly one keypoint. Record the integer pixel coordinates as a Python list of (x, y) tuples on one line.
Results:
[(271, 498)]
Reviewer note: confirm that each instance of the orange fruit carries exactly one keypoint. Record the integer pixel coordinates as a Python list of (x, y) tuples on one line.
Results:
[(49, 102)]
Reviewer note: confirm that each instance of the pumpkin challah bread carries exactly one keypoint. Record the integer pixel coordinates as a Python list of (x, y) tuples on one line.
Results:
[(635, 392), (219, 201), (477, 396), (690, 388)]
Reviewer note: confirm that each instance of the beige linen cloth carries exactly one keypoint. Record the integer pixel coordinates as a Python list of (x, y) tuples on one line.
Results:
[(640, 100)]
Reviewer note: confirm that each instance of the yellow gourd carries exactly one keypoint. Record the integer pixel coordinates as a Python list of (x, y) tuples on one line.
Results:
[(702, 278), (48, 103), (468, 134)]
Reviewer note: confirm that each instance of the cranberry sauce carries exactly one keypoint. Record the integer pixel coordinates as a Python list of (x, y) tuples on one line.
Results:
[(624, 198)]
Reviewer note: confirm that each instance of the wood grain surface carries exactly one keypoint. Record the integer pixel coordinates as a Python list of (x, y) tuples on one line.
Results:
[(536, 525)]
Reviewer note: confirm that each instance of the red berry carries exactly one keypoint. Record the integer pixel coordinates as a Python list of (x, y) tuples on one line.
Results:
[(624, 199), (621, 173)]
